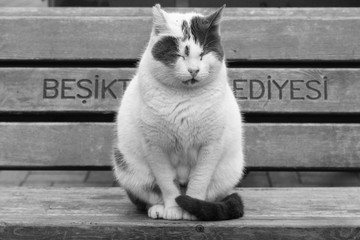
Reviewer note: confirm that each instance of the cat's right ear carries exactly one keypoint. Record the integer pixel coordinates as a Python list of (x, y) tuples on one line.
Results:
[(159, 20), (215, 18)]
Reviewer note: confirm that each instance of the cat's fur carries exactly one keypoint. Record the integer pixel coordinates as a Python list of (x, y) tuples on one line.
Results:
[(179, 126)]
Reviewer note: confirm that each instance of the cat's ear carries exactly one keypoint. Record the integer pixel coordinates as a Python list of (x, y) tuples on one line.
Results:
[(214, 19), (159, 20)]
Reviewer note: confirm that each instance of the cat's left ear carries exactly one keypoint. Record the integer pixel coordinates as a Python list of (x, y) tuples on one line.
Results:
[(214, 19), (159, 20)]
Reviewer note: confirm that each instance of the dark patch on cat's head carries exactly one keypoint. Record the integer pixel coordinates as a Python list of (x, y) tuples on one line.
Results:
[(205, 31), (186, 30), (166, 50), (120, 160), (187, 50)]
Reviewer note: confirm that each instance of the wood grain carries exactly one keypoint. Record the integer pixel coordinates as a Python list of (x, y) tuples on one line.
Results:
[(325, 146), (248, 34), (104, 213), (56, 144), (257, 89), (277, 3), (141, 12)]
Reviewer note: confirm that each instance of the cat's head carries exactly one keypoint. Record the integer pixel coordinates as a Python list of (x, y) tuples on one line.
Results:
[(186, 48)]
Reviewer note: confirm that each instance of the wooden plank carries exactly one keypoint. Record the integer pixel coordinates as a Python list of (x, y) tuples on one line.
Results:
[(326, 146), (286, 179), (23, 3), (139, 3), (146, 12), (303, 145), (94, 213), (42, 89), (248, 34), (255, 179), (13, 178), (257, 89), (182, 3), (277, 3), (56, 144), (105, 177), (329, 179), (56, 176), (197, 3)]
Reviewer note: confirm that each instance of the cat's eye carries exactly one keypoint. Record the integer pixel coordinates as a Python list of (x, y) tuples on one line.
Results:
[(201, 55), (180, 56)]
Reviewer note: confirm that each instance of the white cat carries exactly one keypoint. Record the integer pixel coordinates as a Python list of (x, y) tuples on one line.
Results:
[(180, 150)]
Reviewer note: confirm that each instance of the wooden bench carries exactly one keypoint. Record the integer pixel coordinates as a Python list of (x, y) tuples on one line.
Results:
[(295, 72)]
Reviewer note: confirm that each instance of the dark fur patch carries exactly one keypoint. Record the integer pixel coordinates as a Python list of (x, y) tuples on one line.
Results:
[(186, 30), (140, 204), (230, 208), (166, 50), (153, 188), (120, 160), (182, 187), (207, 36), (156, 30), (187, 50)]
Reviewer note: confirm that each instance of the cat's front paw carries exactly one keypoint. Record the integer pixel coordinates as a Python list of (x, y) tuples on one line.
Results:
[(173, 213), (156, 211)]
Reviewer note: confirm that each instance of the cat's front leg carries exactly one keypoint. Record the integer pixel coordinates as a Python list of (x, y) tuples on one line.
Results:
[(200, 176), (165, 175)]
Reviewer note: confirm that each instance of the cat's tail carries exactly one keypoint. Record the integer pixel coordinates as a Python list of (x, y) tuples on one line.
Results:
[(230, 207)]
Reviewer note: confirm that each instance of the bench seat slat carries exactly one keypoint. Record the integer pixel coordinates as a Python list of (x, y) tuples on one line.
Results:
[(262, 34), (272, 213), (326, 146), (303, 90)]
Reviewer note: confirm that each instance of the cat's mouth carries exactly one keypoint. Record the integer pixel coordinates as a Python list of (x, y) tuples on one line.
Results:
[(190, 81)]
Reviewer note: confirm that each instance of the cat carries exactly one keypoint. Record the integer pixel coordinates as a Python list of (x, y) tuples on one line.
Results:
[(179, 151)]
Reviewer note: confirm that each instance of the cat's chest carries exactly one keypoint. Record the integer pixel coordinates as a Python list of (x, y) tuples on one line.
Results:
[(181, 121)]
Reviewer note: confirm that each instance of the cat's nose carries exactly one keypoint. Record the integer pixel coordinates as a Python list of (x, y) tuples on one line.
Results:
[(193, 71)]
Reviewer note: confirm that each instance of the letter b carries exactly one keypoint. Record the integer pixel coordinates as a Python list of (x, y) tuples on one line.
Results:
[(50, 89)]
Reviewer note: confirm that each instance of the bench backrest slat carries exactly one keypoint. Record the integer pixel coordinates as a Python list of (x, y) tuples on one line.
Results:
[(256, 34), (286, 90), (75, 145)]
